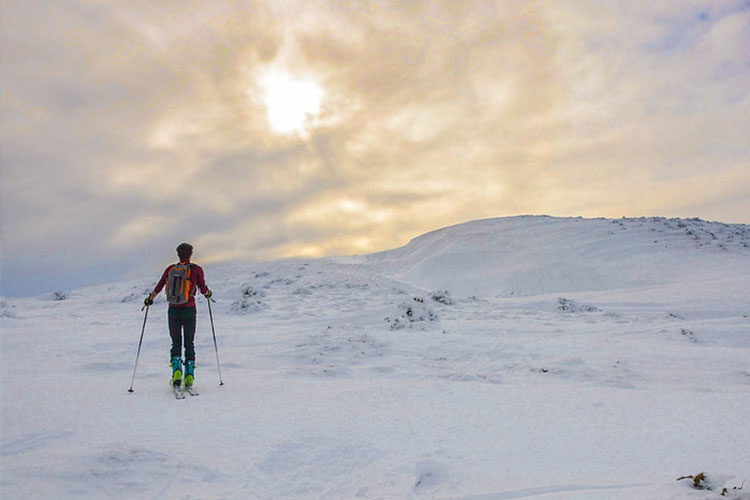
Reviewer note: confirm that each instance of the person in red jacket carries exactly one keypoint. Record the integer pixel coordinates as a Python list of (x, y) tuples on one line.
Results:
[(182, 280)]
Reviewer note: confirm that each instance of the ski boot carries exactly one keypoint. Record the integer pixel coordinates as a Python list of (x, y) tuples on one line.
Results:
[(189, 372), (176, 371)]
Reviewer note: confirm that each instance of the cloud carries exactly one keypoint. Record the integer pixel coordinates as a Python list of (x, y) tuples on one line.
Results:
[(127, 129)]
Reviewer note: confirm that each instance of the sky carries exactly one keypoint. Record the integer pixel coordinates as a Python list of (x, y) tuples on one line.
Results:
[(260, 130)]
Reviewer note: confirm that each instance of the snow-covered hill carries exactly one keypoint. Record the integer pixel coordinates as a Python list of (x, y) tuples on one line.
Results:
[(525, 357), (530, 255)]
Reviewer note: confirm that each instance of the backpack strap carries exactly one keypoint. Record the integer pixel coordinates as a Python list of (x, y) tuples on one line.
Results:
[(190, 289)]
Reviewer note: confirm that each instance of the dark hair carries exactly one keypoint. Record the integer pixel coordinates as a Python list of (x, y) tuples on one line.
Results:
[(184, 251)]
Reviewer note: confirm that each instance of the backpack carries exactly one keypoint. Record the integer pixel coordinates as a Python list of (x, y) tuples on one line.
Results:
[(179, 287)]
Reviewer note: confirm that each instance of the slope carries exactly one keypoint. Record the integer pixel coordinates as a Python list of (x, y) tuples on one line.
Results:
[(532, 255)]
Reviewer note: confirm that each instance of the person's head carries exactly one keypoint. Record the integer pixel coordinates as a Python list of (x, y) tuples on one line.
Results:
[(184, 251)]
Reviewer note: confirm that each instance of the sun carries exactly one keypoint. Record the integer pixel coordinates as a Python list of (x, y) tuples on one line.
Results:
[(291, 102)]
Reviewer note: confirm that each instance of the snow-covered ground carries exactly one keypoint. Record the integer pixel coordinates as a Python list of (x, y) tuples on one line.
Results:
[(524, 357)]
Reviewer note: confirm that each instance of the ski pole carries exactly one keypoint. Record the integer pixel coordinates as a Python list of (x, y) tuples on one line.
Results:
[(138, 355), (213, 331)]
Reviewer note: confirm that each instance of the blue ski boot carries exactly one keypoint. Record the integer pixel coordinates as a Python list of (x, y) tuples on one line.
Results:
[(176, 371), (189, 372)]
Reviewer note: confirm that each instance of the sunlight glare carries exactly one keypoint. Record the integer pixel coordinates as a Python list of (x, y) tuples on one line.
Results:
[(290, 102)]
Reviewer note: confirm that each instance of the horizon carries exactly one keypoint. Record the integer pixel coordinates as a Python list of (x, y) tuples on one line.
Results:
[(286, 129), (158, 267)]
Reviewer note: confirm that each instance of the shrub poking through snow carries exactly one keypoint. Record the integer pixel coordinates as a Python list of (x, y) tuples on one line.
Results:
[(442, 297), (689, 334), (250, 300), (411, 312), (59, 295), (569, 305), (6, 310), (138, 296), (715, 482), (699, 481)]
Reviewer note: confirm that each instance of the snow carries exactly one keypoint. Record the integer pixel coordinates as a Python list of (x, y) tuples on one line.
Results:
[(525, 357)]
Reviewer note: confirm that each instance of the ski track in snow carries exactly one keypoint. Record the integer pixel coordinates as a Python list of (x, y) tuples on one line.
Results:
[(509, 358)]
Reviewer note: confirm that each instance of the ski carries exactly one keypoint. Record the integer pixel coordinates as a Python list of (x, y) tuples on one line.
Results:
[(189, 389), (178, 394)]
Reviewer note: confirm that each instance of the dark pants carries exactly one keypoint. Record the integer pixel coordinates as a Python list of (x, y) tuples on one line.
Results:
[(182, 322)]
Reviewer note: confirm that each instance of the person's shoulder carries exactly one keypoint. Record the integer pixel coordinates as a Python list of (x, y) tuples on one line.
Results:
[(197, 267)]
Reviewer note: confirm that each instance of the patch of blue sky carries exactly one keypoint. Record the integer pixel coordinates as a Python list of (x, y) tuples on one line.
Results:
[(680, 33), (685, 29)]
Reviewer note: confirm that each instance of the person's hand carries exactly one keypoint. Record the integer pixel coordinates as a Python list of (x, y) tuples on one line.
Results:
[(149, 301), (208, 294)]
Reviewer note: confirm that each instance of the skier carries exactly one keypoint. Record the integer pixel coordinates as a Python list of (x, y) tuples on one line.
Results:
[(182, 280)]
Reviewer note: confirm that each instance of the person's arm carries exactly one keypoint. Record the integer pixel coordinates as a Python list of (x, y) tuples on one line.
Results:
[(200, 280), (160, 284)]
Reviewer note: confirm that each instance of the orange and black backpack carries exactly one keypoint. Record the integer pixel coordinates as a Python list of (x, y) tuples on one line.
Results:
[(180, 288)]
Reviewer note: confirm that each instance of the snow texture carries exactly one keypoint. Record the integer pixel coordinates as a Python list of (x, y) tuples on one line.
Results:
[(524, 357)]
